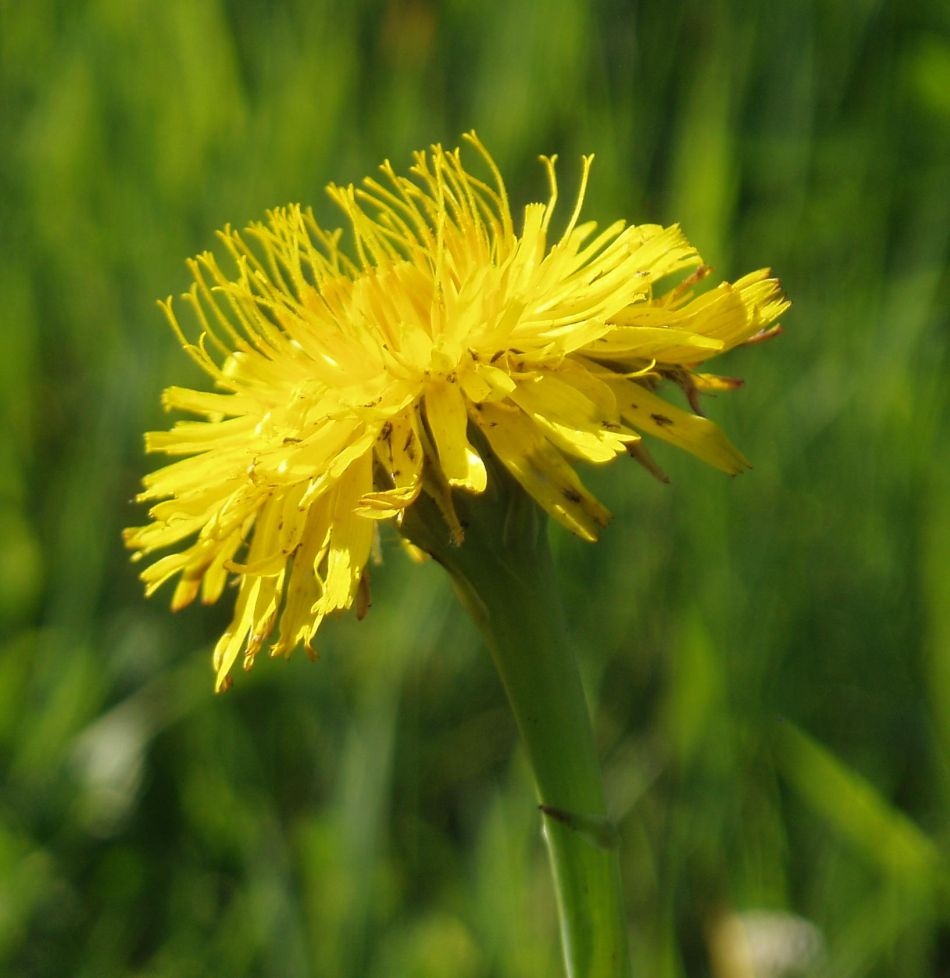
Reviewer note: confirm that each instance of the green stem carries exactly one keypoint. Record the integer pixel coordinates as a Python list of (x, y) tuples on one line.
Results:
[(504, 576)]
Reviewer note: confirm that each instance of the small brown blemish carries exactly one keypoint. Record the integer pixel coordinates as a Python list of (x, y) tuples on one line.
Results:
[(571, 495), (557, 814), (288, 440), (409, 439), (362, 597), (386, 431), (610, 426), (662, 420), (692, 395)]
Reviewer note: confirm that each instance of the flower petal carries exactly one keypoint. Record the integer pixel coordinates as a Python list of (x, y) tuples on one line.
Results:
[(400, 453), (577, 411), (541, 469), (654, 416), (448, 422)]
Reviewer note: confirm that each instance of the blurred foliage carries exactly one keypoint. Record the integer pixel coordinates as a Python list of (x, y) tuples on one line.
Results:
[(768, 658)]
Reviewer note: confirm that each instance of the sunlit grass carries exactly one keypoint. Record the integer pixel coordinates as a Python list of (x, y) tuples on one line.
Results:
[(767, 656)]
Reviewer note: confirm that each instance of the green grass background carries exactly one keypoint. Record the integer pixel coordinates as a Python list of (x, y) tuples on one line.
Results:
[(767, 658)]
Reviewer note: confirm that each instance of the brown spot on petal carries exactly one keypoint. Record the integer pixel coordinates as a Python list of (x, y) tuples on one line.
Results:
[(362, 597)]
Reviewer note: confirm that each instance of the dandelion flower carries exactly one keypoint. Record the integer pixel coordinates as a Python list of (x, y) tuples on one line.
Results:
[(349, 381)]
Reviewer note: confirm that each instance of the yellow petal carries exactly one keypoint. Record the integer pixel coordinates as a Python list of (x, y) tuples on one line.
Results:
[(229, 645), (577, 411), (216, 576), (654, 416), (659, 251), (667, 345), (762, 296), (388, 503), (712, 383), (191, 437), (400, 453), (214, 406), (302, 612), (541, 469), (448, 422), (351, 536), (724, 317)]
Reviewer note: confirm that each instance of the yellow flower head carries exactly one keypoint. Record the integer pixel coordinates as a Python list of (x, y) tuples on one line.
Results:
[(347, 385)]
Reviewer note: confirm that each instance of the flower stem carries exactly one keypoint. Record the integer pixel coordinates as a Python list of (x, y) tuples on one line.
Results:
[(504, 576)]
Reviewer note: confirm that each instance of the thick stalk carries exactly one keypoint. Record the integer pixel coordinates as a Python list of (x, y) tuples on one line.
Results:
[(504, 575)]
